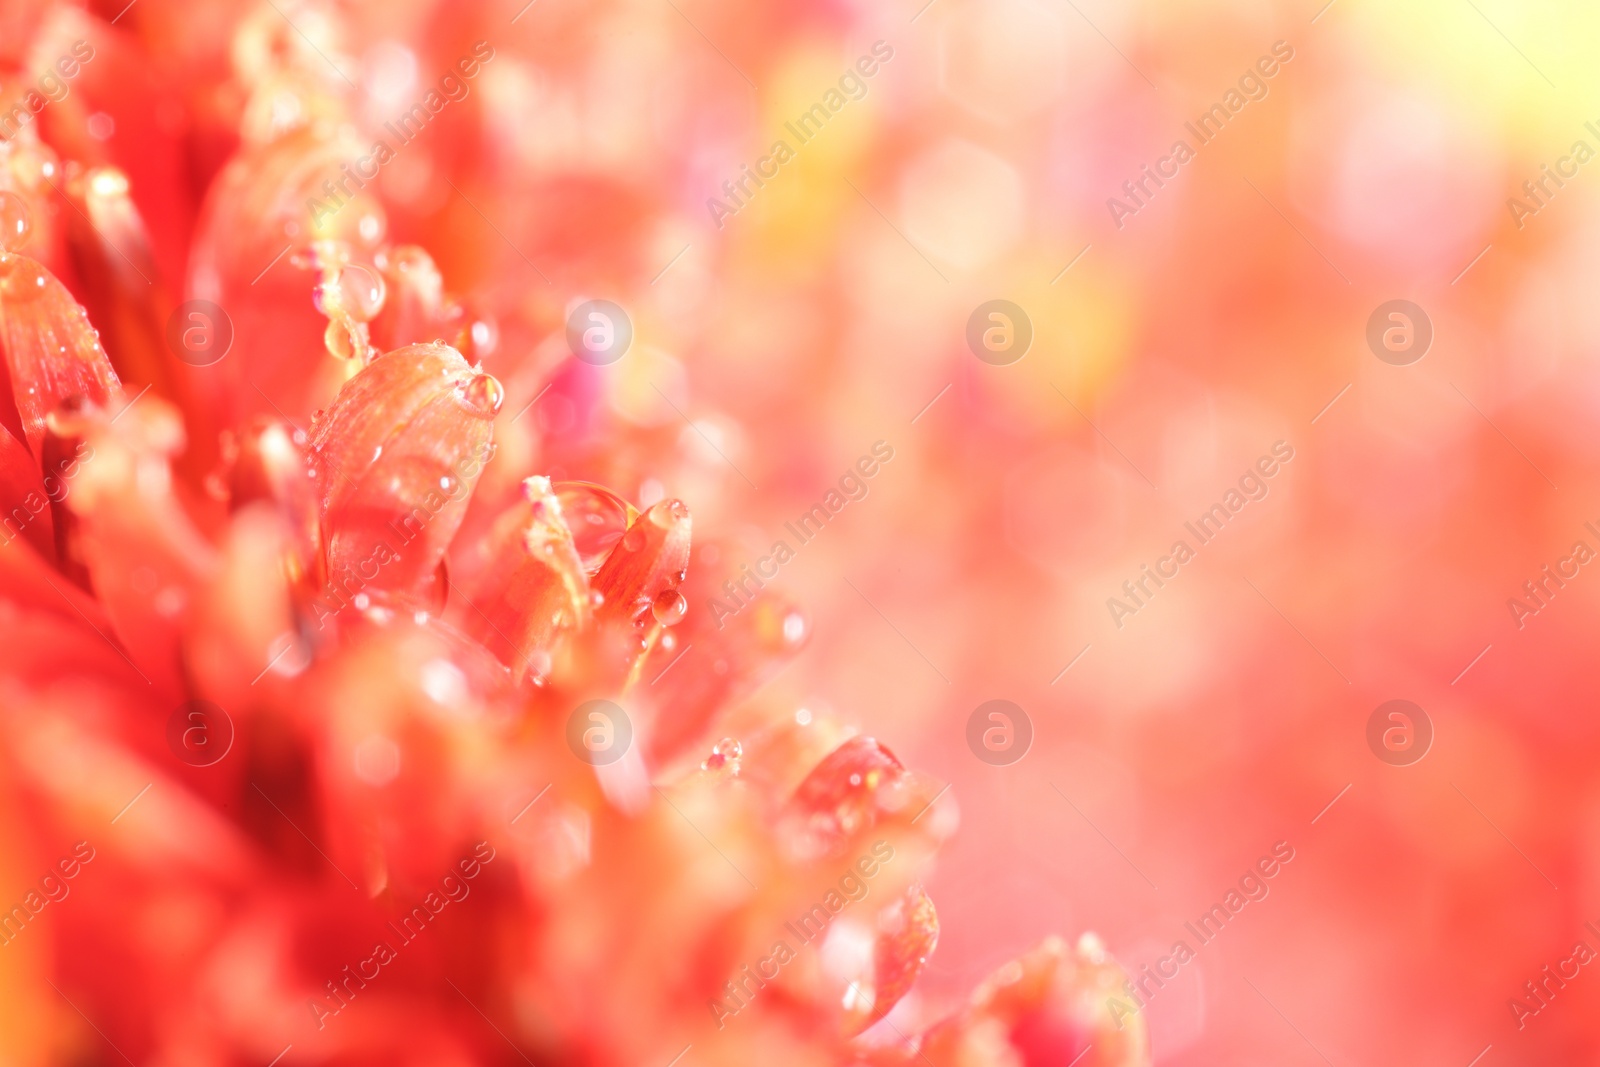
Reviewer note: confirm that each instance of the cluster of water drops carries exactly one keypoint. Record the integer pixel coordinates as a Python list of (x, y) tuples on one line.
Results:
[(21, 278), (724, 757), (349, 294)]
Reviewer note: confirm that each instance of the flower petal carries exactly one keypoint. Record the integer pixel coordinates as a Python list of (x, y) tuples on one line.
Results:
[(652, 557), (907, 931), (1052, 1006), (532, 588), (145, 558), (24, 506), (51, 351), (396, 457)]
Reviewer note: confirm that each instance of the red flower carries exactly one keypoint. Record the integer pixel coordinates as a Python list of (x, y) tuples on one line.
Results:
[(376, 737)]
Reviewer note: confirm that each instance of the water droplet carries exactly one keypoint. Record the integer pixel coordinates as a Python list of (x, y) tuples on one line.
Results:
[(22, 279), (484, 395), (669, 607), (794, 628), (361, 291), (596, 597), (724, 756), (597, 518), (356, 292), (16, 222), (343, 338)]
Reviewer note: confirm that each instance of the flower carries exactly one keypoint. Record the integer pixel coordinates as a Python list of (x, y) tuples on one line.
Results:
[(377, 735)]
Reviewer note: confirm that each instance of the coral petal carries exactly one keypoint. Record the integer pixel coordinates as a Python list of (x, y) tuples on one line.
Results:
[(533, 588), (1052, 1006), (908, 931), (24, 505), (271, 469), (397, 456), (652, 556), (145, 558), (51, 351), (254, 214), (744, 648), (839, 797)]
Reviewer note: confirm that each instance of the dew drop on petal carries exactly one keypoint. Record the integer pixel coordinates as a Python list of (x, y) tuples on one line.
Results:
[(724, 756), (341, 338), (597, 518), (22, 279), (484, 394), (361, 292), (16, 222), (669, 607)]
